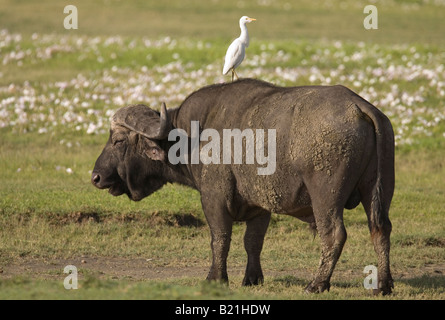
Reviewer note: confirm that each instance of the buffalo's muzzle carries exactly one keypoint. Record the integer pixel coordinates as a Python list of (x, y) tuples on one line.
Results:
[(95, 179)]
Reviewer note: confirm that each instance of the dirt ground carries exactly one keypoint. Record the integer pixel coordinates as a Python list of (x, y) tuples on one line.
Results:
[(138, 269), (101, 267)]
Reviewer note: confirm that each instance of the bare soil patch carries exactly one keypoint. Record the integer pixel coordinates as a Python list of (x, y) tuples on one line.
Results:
[(140, 269)]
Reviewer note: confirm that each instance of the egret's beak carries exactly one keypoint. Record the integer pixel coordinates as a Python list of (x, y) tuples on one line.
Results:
[(251, 19)]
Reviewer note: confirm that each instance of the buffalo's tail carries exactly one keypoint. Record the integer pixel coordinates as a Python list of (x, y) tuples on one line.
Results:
[(383, 189)]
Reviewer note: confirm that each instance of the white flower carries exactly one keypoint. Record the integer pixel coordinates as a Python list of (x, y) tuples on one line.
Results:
[(91, 128)]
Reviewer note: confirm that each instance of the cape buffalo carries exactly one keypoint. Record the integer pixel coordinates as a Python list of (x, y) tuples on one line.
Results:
[(333, 150)]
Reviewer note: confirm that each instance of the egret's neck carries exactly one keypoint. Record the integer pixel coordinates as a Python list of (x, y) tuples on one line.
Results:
[(244, 37)]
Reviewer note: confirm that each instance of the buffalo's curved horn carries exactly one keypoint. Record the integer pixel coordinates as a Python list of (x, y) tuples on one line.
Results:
[(165, 124), (144, 121)]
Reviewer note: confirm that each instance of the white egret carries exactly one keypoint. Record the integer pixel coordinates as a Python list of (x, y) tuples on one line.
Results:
[(237, 50)]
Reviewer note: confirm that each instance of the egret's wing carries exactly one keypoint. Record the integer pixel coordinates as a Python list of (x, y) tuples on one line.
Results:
[(233, 55)]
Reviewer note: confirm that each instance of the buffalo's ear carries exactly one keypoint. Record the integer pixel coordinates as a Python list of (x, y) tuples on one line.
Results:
[(152, 150)]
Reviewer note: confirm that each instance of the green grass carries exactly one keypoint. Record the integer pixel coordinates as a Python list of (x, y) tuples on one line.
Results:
[(285, 287), (401, 21), (282, 288), (49, 209)]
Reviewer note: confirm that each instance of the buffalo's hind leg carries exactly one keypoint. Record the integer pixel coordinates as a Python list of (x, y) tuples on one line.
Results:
[(380, 238), (380, 235), (332, 233), (253, 243)]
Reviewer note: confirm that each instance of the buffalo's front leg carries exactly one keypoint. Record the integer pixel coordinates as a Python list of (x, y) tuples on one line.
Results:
[(253, 243), (220, 224), (220, 249)]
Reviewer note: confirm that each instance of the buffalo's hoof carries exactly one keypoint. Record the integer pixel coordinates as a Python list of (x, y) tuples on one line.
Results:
[(253, 280), (213, 276), (317, 287), (386, 287)]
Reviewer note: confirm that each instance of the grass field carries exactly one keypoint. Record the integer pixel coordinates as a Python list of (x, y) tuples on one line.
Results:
[(58, 89)]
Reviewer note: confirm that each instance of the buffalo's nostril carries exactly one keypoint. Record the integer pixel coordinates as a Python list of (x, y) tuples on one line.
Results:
[(95, 179)]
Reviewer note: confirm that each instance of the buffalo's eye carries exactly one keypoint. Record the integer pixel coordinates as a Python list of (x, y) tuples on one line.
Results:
[(117, 140)]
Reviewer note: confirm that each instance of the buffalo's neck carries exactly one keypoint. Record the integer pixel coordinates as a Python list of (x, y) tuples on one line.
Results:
[(178, 173)]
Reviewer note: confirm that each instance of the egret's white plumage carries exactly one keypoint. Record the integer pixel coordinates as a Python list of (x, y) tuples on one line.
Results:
[(237, 50)]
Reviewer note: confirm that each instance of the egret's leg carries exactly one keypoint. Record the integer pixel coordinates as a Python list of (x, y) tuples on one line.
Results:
[(235, 74), (232, 74)]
